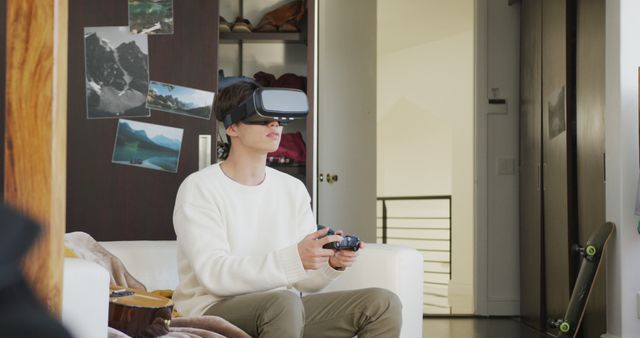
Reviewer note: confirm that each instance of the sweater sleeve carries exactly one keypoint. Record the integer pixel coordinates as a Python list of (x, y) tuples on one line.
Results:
[(203, 241), (316, 279)]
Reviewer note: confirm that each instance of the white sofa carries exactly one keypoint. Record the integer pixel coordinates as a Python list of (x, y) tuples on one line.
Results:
[(153, 263), (85, 298)]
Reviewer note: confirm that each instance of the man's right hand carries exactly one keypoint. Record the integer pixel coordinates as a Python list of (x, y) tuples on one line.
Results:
[(310, 249)]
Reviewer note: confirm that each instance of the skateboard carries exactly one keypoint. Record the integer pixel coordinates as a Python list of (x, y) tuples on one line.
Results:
[(591, 253)]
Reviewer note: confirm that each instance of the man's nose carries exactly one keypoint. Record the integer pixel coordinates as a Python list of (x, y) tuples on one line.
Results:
[(274, 123)]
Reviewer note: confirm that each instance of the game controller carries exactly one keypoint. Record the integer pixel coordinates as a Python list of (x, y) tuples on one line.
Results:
[(349, 242)]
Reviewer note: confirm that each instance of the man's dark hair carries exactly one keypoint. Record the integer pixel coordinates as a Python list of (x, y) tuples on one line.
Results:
[(231, 97)]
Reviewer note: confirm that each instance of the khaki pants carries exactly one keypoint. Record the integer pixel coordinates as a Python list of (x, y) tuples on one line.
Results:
[(367, 313)]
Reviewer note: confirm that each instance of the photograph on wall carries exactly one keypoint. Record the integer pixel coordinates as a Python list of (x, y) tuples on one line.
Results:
[(557, 120), (116, 72), (180, 100), (151, 16), (147, 145)]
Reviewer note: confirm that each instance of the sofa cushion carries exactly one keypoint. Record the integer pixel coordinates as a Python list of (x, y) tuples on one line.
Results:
[(153, 263)]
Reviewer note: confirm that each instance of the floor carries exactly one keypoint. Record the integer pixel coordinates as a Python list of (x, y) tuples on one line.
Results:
[(477, 328)]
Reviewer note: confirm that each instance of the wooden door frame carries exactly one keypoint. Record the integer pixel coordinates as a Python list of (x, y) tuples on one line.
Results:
[(36, 133), (3, 65)]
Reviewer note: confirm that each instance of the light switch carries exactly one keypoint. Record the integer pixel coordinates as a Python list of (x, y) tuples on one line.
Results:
[(505, 166), (497, 107)]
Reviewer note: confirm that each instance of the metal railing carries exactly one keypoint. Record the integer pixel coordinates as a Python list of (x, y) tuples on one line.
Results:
[(423, 223)]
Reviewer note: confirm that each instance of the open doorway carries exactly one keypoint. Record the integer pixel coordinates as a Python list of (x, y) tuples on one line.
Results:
[(425, 142)]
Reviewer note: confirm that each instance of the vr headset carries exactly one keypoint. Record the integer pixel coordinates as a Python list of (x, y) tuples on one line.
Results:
[(268, 104)]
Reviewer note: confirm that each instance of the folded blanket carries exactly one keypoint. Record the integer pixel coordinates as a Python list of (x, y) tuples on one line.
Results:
[(85, 247), (195, 327)]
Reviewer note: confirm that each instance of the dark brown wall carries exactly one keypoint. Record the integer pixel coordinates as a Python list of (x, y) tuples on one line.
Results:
[(120, 202)]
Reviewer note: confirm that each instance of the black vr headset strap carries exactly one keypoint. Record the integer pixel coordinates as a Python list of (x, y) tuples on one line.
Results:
[(238, 114)]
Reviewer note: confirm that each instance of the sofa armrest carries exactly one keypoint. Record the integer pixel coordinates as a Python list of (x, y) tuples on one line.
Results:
[(396, 268), (85, 298)]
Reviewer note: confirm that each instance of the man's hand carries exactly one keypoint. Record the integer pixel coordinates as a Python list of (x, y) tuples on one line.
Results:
[(342, 259), (310, 249)]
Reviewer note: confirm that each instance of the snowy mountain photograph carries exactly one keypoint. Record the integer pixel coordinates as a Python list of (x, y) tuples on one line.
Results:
[(147, 145), (116, 72), (180, 100)]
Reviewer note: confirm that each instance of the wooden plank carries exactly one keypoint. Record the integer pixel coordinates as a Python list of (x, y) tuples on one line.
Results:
[(35, 137), (590, 60), (558, 173), (531, 232), (3, 65)]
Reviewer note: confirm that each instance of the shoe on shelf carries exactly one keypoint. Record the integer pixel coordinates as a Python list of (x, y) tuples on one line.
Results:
[(266, 27), (289, 26), (242, 25), (288, 15), (224, 25)]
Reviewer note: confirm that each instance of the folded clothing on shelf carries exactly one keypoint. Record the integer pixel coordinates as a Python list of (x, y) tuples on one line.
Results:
[(287, 80), (291, 147)]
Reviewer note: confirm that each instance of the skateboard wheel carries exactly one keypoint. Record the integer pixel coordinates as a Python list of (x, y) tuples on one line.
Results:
[(565, 327), (590, 250)]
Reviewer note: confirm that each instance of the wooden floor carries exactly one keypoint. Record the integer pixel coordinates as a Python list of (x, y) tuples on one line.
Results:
[(477, 328)]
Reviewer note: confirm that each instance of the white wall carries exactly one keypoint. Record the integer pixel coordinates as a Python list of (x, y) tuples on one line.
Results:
[(622, 59), (425, 116), (497, 43)]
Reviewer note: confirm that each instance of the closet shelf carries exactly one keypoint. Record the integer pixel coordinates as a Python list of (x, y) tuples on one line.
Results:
[(231, 37)]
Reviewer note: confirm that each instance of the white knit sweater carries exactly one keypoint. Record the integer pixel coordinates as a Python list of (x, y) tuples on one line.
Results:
[(236, 239)]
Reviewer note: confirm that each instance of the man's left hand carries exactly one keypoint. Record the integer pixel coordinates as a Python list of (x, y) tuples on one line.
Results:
[(342, 259)]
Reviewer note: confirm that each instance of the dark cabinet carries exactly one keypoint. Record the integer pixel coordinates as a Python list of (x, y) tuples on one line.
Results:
[(546, 159), (561, 153), (590, 140), (531, 248), (558, 153)]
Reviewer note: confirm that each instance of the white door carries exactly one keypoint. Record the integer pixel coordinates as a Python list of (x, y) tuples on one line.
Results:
[(346, 118)]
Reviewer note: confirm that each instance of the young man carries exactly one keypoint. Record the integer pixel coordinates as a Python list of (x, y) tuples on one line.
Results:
[(247, 244)]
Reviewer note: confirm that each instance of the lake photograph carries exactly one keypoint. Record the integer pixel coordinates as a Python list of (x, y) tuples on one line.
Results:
[(147, 145), (151, 16)]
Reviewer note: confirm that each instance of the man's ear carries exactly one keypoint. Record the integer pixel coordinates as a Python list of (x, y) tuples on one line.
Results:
[(232, 130)]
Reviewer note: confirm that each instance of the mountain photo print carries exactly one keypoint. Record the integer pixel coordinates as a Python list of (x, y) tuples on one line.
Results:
[(147, 145), (151, 16), (180, 100), (116, 72)]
